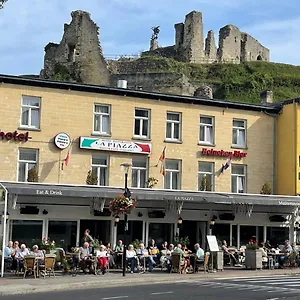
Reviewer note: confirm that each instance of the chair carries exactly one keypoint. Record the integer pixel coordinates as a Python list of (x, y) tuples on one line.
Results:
[(48, 267), (29, 265), (176, 262), (204, 263)]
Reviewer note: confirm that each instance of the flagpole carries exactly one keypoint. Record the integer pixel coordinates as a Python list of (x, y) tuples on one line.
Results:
[(59, 160)]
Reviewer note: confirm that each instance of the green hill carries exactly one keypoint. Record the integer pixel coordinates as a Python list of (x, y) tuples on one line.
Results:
[(242, 82)]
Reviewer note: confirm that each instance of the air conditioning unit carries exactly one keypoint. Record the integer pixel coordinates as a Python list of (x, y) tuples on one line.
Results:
[(104, 213), (156, 214), (29, 210), (227, 217), (277, 218)]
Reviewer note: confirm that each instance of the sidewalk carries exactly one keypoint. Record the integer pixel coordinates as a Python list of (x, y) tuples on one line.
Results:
[(13, 285)]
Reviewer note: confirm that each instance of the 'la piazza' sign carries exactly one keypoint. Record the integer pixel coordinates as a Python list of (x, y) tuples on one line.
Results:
[(222, 153), (114, 145)]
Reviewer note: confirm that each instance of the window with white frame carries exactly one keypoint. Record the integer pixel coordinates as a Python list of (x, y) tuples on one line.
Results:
[(172, 174), (139, 172), (30, 116), (27, 159), (142, 123), (238, 179), (239, 133), (173, 126), (206, 130), (205, 176), (100, 169), (102, 119)]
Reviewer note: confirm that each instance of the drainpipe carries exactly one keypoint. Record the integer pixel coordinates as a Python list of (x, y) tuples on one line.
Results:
[(4, 228)]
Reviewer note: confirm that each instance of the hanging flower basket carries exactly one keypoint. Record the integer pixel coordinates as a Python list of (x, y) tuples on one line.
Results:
[(122, 205)]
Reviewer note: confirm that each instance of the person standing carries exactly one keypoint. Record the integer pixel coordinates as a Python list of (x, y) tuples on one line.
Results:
[(87, 238)]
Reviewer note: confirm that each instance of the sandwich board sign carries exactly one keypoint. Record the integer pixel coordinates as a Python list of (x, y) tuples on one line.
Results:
[(212, 243)]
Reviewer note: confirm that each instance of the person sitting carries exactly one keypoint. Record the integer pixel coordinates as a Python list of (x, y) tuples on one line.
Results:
[(110, 253), (143, 253), (287, 250), (228, 253), (183, 262), (85, 257), (164, 246), (8, 251), (131, 258), (263, 252), (153, 251), (21, 253), (118, 250), (13, 255), (170, 250), (102, 257)]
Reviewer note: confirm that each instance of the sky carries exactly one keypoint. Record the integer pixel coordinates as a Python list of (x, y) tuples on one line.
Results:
[(26, 26)]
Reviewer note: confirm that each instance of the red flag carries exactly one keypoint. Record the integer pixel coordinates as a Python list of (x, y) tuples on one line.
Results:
[(163, 155), (162, 169), (67, 159)]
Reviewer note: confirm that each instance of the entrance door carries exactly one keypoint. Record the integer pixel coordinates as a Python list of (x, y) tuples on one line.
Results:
[(134, 232), (99, 229)]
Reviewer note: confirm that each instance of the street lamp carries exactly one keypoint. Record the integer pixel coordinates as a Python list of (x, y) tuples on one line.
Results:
[(179, 221), (212, 224), (127, 194), (117, 219), (296, 226)]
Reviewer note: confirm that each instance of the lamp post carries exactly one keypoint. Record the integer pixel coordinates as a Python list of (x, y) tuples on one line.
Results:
[(212, 224), (127, 194)]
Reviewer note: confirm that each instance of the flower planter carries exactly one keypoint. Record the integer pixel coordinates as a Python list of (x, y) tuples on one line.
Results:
[(253, 259)]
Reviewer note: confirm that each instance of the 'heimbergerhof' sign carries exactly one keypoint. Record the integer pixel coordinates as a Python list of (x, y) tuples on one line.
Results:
[(114, 145)]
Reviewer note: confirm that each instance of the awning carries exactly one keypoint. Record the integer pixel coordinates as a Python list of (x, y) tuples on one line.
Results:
[(80, 191)]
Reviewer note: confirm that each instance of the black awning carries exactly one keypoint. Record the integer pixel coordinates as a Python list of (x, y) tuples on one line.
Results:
[(76, 191)]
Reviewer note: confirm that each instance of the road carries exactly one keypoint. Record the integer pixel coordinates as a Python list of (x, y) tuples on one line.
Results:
[(264, 288)]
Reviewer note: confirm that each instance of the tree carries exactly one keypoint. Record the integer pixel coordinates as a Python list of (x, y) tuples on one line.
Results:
[(33, 175), (2, 2), (205, 184), (266, 189), (91, 178)]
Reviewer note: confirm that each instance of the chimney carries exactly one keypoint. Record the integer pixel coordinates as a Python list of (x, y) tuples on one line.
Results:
[(266, 97), (122, 84)]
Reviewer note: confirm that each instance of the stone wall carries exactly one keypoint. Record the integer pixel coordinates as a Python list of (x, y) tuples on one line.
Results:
[(79, 51)]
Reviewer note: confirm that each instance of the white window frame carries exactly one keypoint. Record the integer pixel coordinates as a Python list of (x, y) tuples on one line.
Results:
[(27, 162), (211, 174), (178, 171), (212, 125), (99, 167), (30, 108), (238, 177), (140, 120), (173, 122), (139, 170), (100, 131), (239, 129)]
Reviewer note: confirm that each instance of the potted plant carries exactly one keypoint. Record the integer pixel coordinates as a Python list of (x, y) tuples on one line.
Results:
[(97, 244), (48, 245), (253, 257), (122, 205)]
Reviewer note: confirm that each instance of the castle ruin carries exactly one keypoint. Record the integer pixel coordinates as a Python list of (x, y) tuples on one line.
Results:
[(234, 46)]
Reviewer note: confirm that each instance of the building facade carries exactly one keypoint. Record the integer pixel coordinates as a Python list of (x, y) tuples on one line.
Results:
[(217, 154)]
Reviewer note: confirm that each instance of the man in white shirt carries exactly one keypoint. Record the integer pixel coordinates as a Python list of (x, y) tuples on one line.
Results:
[(23, 251)]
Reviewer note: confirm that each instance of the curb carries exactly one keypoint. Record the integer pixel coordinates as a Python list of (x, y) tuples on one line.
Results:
[(29, 289)]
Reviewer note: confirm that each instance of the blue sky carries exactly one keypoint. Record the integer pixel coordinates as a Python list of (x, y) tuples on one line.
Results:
[(26, 26)]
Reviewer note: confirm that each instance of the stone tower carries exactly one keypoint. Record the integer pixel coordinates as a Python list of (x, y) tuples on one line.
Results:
[(210, 46), (79, 52)]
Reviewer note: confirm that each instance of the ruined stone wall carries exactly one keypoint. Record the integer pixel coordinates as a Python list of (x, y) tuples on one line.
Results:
[(252, 50), (210, 46), (79, 51)]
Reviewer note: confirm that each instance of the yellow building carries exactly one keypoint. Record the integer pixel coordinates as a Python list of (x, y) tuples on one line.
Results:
[(218, 155), (288, 148)]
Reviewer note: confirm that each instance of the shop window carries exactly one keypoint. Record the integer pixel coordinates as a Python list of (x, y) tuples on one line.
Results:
[(27, 159), (102, 119), (30, 117), (100, 168), (239, 133), (142, 123), (172, 174), (222, 232), (238, 179), (206, 130), (161, 232), (27, 232), (205, 176), (139, 172), (247, 233), (173, 131)]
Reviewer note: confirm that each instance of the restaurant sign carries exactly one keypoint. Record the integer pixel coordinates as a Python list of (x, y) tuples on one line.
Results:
[(14, 136), (114, 145), (222, 153), (62, 141)]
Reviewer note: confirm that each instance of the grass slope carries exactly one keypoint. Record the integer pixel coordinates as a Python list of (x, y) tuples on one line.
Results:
[(241, 82)]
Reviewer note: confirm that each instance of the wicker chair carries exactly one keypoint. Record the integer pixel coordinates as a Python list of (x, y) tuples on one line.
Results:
[(29, 265), (48, 267)]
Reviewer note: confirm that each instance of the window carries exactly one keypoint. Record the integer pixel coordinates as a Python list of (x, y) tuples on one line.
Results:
[(173, 126), (139, 172), (102, 119), (172, 176), (100, 169), (206, 130), (30, 112), (239, 133), (238, 179), (26, 161), (205, 176), (141, 123)]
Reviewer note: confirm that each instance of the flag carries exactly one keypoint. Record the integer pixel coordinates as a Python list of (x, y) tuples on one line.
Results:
[(226, 165), (163, 155), (163, 169), (67, 159), (162, 160)]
